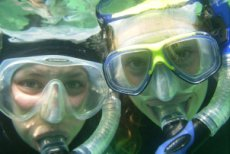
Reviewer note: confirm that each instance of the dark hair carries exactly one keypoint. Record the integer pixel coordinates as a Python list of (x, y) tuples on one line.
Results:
[(212, 24), (91, 49)]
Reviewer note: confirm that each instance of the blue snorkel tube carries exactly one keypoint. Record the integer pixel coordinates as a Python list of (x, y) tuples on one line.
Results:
[(208, 121)]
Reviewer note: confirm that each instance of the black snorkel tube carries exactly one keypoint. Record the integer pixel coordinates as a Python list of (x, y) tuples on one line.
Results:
[(208, 121)]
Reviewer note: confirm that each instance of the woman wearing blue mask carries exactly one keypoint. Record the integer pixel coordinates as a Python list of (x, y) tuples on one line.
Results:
[(164, 55)]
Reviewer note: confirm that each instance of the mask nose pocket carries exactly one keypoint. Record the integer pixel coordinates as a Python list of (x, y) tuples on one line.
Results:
[(53, 101), (163, 83)]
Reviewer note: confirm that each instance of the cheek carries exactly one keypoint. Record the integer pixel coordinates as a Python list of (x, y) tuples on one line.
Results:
[(19, 126), (199, 94), (77, 100), (23, 131), (34, 127), (74, 128), (139, 103), (146, 110), (23, 100), (134, 79), (200, 90)]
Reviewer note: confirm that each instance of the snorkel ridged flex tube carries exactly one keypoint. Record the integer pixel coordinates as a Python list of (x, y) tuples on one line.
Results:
[(218, 110), (208, 121), (107, 127)]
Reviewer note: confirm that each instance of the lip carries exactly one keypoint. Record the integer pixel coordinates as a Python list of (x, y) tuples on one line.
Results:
[(176, 100), (50, 134)]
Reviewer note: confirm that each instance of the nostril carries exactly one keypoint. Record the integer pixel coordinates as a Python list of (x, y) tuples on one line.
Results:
[(52, 111)]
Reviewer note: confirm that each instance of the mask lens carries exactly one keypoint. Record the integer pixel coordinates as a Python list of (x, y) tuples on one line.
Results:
[(94, 90), (128, 70), (30, 87), (185, 56), (193, 58)]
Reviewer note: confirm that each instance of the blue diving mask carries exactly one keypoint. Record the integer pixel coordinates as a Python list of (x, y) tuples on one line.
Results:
[(51, 85), (191, 56)]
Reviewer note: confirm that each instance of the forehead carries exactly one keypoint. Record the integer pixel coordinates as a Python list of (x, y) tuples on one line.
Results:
[(155, 25), (42, 70)]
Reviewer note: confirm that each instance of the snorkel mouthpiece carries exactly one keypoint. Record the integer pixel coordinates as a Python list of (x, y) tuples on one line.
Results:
[(173, 127), (53, 145)]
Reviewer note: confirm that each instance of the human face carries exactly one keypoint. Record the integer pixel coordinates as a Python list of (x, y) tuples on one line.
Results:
[(166, 95), (27, 87), (43, 95)]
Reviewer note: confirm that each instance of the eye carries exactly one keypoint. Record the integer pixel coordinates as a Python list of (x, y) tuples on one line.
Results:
[(181, 55), (136, 64), (185, 56), (30, 86), (33, 84), (75, 87), (73, 84)]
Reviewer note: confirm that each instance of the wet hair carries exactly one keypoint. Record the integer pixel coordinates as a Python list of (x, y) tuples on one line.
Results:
[(212, 24), (91, 49)]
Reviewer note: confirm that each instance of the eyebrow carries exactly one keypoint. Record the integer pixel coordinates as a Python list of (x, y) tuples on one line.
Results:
[(75, 74), (42, 71)]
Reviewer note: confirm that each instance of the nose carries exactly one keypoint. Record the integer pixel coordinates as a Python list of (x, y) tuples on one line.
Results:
[(163, 84), (53, 102)]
